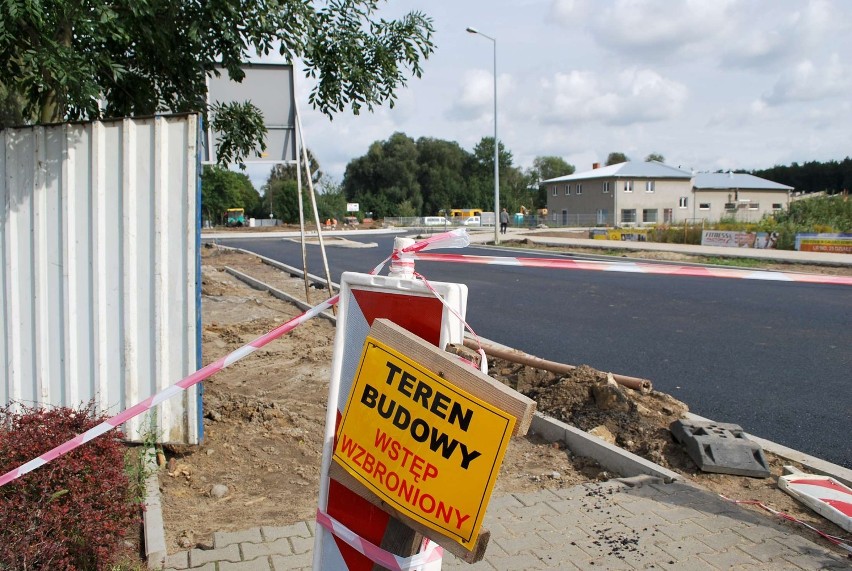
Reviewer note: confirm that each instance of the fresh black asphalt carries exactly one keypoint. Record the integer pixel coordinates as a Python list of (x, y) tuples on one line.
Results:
[(773, 357)]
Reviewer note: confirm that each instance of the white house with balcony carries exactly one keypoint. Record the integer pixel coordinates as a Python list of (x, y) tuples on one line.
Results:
[(648, 193)]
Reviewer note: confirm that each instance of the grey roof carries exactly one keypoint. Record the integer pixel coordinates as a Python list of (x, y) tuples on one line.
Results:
[(630, 169), (724, 180)]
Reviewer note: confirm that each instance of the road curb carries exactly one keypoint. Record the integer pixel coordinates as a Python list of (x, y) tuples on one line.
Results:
[(624, 463), (152, 520)]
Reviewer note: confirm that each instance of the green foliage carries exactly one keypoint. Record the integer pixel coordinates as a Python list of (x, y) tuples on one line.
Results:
[(829, 213), (401, 177), (545, 168), (142, 57), (615, 158), (249, 132), (832, 176), (282, 199), (689, 234), (222, 189), (655, 157), (331, 203)]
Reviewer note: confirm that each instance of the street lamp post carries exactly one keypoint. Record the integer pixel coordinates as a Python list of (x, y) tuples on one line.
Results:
[(496, 144)]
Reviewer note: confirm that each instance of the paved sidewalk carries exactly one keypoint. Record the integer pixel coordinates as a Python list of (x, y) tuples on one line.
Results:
[(611, 525)]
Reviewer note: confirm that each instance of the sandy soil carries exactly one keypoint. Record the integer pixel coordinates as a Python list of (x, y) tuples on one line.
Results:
[(264, 420)]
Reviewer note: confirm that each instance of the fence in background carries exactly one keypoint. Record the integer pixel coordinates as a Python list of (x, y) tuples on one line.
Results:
[(99, 287)]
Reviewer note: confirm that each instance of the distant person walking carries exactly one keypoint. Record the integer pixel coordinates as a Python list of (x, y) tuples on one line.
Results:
[(504, 221)]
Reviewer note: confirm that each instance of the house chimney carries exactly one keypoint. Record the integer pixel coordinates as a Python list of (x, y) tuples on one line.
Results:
[(596, 166)]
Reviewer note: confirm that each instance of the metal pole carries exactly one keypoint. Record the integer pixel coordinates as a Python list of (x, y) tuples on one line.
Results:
[(496, 143), (496, 155)]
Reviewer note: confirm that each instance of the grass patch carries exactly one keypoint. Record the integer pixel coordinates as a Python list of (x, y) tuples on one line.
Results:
[(736, 262)]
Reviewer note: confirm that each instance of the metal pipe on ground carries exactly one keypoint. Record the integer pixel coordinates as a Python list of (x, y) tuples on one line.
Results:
[(516, 356)]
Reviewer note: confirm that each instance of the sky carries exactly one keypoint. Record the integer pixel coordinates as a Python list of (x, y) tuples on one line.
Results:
[(708, 84)]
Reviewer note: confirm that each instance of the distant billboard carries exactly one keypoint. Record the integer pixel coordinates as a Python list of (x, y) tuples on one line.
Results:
[(270, 88)]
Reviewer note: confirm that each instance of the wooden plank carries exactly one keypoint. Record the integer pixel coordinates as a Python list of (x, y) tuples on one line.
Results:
[(463, 376), (449, 544)]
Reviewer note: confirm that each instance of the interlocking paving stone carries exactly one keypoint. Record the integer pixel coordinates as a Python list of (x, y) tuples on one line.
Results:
[(758, 533), (223, 538), (678, 531), (178, 560), (201, 556), (728, 558), (293, 562), (722, 540), (685, 548), (278, 547), (302, 544), (632, 528), (261, 564), (299, 529), (692, 564)]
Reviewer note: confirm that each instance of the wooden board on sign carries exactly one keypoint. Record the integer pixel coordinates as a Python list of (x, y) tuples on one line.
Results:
[(423, 435), (463, 376), (449, 544)]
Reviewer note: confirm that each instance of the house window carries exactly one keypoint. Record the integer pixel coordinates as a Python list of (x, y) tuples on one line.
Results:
[(777, 206), (567, 190), (628, 186), (649, 215), (704, 206), (605, 186), (683, 202), (554, 218), (554, 191), (730, 206), (754, 206), (579, 188), (649, 186), (628, 215)]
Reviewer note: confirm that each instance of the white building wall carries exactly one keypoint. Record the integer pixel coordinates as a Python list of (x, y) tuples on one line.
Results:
[(99, 287)]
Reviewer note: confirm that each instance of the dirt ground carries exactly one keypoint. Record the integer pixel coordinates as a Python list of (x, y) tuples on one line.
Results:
[(265, 415)]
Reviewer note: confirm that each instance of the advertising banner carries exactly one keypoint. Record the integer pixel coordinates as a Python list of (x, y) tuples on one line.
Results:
[(830, 243), (735, 239)]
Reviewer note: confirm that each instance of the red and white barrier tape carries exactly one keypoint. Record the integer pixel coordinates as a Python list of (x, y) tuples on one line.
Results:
[(445, 240), (664, 269), (828, 537), (433, 552), (167, 393)]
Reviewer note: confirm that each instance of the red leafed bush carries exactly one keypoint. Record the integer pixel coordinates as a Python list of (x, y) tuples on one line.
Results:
[(71, 513)]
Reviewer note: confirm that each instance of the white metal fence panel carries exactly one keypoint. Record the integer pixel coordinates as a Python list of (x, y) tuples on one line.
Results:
[(99, 286)]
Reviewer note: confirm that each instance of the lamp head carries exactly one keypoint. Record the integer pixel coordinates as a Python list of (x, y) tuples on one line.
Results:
[(472, 30)]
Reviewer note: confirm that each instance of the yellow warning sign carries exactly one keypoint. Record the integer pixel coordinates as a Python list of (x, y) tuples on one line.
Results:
[(420, 443)]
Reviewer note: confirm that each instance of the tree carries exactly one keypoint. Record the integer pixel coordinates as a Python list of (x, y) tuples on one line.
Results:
[(288, 173), (655, 157), (385, 177), (87, 59), (331, 202), (544, 168), (440, 174), (615, 158), (222, 189), (281, 198)]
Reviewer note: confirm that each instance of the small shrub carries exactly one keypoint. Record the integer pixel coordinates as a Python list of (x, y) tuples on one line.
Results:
[(71, 513)]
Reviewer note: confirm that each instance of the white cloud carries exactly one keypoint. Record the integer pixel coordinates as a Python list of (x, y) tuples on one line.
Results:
[(808, 81), (632, 96), (707, 83)]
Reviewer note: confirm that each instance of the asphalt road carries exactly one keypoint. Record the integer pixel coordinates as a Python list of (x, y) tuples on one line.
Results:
[(773, 357)]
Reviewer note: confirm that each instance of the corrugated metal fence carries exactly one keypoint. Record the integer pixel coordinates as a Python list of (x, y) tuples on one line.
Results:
[(99, 286)]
